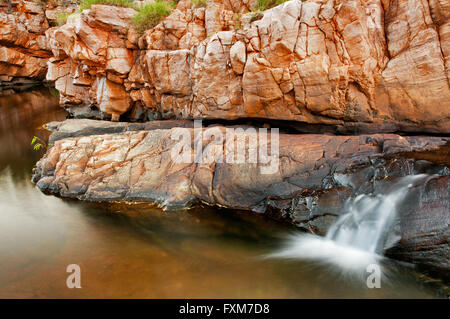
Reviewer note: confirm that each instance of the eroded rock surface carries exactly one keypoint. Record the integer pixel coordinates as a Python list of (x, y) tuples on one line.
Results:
[(372, 65), (424, 229), (365, 66), (24, 49), (135, 163)]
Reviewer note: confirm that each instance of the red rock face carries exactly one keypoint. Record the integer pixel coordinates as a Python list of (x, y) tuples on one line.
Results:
[(91, 58), (136, 162), (425, 228), (24, 49), (377, 63)]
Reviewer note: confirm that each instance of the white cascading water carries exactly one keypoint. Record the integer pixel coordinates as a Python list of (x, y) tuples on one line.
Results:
[(357, 238)]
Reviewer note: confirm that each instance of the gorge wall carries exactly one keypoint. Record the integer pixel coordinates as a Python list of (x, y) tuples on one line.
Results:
[(362, 65), (24, 48)]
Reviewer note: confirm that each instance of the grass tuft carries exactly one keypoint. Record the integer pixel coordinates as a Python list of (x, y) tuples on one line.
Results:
[(86, 4), (61, 18), (150, 14), (263, 5), (199, 3)]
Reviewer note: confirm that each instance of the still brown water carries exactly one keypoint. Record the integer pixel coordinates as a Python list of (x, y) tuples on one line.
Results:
[(136, 251)]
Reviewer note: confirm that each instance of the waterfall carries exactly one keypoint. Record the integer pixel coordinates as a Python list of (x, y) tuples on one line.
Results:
[(358, 236)]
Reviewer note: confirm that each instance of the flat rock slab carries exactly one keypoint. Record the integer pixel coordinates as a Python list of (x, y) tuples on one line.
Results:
[(100, 161)]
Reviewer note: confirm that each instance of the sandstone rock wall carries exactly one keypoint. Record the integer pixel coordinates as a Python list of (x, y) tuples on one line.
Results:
[(374, 65), (91, 58), (24, 49)]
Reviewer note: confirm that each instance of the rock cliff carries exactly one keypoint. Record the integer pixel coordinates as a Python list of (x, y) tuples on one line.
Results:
[(424, 229), (24, 49), (373, 66), (99, 160)]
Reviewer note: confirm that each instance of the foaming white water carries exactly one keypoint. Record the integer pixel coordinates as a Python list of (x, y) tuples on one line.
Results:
[(357, 238), (327, 251)]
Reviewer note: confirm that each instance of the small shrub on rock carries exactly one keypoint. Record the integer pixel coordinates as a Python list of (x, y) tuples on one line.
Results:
[(263, 5), (86, 4), (150, 14), (199, 3)]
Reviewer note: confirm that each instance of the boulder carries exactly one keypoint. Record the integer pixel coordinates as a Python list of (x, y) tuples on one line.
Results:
[(307, 162), (424, 228)]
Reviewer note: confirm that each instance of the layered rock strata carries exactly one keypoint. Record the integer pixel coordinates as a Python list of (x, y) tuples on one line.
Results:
[(87, 161), (24, 49), (368, 65), (424, 229)]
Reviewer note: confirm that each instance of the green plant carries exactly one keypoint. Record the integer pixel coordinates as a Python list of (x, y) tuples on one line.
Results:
[(237, 21), (199, 3), (263, 5), (150, 14), (54, 92), (37, 143), (86, 4), (61, 18), (209, 35), (256, 15)]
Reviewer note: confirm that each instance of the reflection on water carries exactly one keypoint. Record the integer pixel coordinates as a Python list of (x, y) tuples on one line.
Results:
[(139, 251)]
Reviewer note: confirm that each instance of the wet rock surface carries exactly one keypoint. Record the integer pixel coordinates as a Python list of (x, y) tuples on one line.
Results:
[(84, 164), (424, 228)]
